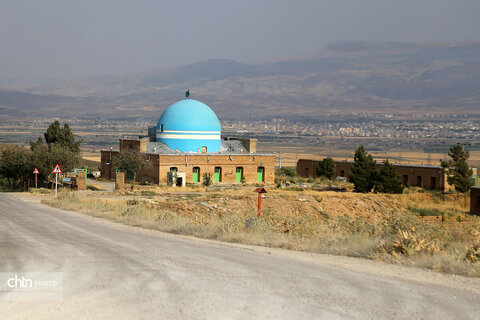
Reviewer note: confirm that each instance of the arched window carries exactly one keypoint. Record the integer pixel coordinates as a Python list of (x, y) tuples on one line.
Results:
[(173, 169), (218, 174), (239, 174), (196, 174), (261, 174)]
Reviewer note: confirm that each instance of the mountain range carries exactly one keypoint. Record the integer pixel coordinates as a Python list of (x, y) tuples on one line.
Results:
[(345, 77)]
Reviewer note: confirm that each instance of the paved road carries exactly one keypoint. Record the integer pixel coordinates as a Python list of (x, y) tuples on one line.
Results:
[(117, 272)]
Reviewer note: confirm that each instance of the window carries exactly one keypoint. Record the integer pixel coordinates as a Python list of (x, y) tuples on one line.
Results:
[(173, 169), (161, 128), (239, 174), (204, 149), (419, 181), (196, 174), (342, 173), (261, 174), (218, 174), (405, 179), (433, 183)]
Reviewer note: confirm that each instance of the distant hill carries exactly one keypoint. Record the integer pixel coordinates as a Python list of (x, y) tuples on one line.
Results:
[(345, 77)]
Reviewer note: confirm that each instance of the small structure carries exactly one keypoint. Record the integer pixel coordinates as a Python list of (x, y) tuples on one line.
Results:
[(81, 179), (425, 176), (119, 180), (176, 179), (260, 191), (475, 201)]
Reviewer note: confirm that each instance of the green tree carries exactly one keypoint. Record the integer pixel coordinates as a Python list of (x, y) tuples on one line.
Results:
[(16, 166), (288, 172), (387, 181), (45, 157), (325, 168), (457, 169), (62, 136), (129, 161), (363, 174)]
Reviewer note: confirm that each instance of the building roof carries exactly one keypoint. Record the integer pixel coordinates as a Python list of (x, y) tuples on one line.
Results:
[(232, 146), (227, 147), (394, 164)]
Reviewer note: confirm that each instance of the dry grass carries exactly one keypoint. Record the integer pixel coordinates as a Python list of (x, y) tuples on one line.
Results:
[(370, 226)]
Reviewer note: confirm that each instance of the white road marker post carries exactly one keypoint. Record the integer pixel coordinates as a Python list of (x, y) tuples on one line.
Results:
[(56, 170), (56, 184), (36, 172)]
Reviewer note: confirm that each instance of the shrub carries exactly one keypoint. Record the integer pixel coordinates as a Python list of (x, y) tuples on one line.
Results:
[(424, 211), (288, 172), (206, 179)]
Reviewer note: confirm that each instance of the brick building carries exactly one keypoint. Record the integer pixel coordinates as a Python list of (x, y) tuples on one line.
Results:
[(187, 140), (426, 176), (475, 201)]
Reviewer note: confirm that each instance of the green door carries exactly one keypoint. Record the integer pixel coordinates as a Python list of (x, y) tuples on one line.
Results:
[(196, 174), (239, 174), (130, 175), (260, 174), (218, 172)]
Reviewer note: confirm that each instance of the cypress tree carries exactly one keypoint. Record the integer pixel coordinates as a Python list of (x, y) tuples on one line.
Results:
[(325, 168), (457, 169), (388, 179), (363, 174)]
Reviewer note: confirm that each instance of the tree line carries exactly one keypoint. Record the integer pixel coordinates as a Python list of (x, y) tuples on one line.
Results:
[(57, 146)]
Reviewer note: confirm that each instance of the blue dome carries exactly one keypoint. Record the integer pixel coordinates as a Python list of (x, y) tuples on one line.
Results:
[(188, 126)]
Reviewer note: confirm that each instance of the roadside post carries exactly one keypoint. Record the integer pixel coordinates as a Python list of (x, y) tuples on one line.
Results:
[(36, 172), (260, 191), (56, 170)]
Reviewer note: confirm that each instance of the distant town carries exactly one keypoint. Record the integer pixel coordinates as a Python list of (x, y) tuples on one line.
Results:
[(429, 133)]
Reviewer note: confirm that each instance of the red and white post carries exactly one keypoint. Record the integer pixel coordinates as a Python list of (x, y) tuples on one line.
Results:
[(36, 172), (56, 170)]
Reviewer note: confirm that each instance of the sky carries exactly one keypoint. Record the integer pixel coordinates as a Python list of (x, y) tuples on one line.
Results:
[(48, 40)]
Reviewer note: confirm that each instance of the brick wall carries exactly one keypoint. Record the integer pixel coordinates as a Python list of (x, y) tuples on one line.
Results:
[(139, 145), (107, 169), (228, 164), (305, 168), (250, 144), (426, 177), (149, 173), (429, 177), (156, 167)]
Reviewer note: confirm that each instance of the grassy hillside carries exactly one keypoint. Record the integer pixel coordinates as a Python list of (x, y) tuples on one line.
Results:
[(345, 77)]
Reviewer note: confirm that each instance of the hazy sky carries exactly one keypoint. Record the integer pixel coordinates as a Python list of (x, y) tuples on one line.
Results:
[(60, 39)]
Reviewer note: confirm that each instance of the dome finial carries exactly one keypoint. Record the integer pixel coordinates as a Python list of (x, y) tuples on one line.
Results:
[(187, 94)]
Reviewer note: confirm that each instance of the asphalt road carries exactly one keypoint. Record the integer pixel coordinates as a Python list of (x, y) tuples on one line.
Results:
[(112, 271)]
